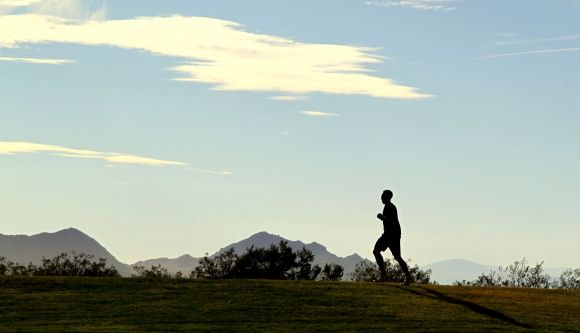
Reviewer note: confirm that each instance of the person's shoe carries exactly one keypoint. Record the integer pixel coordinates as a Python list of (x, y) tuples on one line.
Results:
[(382, 278), (407, 281)]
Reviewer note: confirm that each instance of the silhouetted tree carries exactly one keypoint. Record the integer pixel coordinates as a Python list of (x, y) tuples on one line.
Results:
[(367, 271), (219, 267), (332, 272), (278, 262), (569, 279), (74, 264), (518, 274), (18, 269), (156, 272), (3, 265), (305, 270)]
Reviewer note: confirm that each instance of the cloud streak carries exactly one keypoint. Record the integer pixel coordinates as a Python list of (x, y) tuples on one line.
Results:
[(18, 3), (42, 61), (211, 172), (319, 114), (540, 40), (220, 53), (515, 54), (14, 147), (434, 5), (288, 98)]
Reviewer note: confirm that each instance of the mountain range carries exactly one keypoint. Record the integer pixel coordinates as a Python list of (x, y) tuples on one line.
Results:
[(25, 249)]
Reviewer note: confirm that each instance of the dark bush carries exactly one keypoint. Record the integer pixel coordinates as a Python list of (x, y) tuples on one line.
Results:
[(219, 267), (332, 272), (278, 262), (368, 272), (73, 264), (156, 272), (518, 274), (569, 279), (305, 270), (4, 265)]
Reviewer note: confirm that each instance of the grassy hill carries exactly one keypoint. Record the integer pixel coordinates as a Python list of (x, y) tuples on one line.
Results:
[(40, 304)]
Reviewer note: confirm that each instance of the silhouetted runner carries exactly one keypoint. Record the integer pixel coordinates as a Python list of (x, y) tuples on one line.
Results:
[(391, 238)]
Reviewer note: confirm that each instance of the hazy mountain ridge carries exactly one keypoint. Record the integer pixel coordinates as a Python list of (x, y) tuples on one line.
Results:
[(25, 249), (187, 263), (321, 255), (449, 271)]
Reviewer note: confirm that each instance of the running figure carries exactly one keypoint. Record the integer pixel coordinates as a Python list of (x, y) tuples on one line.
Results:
[(391, 238)]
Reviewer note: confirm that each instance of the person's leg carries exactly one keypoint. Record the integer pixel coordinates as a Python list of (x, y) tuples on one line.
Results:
[(396, 251), (380, 246)]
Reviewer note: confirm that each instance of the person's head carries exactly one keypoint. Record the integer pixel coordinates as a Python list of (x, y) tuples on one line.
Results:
[(386, 196)]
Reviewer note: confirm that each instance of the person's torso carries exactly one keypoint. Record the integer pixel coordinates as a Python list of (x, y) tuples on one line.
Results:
[(391, 221)]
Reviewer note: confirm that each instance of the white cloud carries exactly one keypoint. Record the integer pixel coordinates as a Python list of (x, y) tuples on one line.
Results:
[(18, 3), (288, 98), (12, 147), (436, 5), (319, 114), (42, 61), (507, 34), (75, 9), (540, 40), (220, 53), (515, 54), (211, 172)]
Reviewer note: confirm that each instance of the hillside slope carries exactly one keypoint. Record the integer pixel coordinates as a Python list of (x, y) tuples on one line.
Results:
[(40, 304), (25, 249)]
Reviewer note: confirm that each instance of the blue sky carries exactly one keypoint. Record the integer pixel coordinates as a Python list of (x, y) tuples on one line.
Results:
[(163, 128)]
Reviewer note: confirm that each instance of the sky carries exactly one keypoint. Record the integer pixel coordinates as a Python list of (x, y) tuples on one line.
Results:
[(162, 128)]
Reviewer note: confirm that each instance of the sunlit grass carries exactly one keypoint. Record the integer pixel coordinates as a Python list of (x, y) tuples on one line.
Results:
[(40, 304)]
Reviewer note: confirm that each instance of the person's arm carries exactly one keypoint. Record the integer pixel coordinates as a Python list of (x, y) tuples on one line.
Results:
[(380, 216)]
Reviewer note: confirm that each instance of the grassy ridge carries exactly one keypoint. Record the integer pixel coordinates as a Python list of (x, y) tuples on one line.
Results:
[(40, 304)]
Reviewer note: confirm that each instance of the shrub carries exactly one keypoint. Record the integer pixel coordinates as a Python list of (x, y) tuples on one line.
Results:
[(569, 279), (305, 270), (156, 272), (367, 271), (74, 264), (219, 267), (278, 262), (332, 272), (518, 274), (3, 265)]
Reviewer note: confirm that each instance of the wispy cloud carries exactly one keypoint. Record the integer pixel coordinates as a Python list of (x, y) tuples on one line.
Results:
[(74, 9), (319, 114), (220, 53), (13, 147), (540, 40), (18, 3), (211, 172), (436, 5), (515, 54), (42, 61), (507, 34), (288, 98)]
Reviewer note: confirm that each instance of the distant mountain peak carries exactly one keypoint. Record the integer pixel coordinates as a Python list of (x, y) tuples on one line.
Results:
[(24, 249), (316, 246)]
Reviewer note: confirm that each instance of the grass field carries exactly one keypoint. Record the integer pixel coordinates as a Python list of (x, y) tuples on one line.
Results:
[(40, 304)]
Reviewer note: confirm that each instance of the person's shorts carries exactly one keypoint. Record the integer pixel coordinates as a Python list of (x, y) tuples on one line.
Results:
[(385, 242)]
